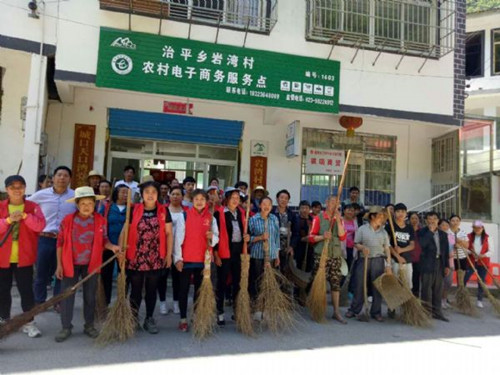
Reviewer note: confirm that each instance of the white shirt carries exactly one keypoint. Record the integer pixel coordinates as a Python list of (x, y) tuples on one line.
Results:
[(461, 235), (54, 206), (478, 246), (133, 185), (177, 222)]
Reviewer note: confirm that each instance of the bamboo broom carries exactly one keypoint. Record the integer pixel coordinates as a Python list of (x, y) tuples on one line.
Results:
[(489, 273), (494, 302), (412, 311), (14, 324), (277, 307), (316, 301), (120, 323), (462, 297), (344, 291), (303, 291), (243, 311), (205, 309)]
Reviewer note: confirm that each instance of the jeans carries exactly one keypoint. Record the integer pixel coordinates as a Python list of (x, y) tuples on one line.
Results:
[(432, 289), (46, 264), (376, 267), (184, 283), (482, 274), (24, 281), (89, 292)]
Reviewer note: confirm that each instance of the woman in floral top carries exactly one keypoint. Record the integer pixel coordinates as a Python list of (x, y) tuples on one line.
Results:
[(149, 250)]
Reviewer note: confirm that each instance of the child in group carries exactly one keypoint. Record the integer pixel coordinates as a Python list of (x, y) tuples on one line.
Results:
[(80, 244)]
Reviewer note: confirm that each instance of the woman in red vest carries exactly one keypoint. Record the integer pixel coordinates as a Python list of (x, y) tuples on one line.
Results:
[(481, 249), (80, 243), (20, 223), (227, 253), (198, 227), (149, 250)]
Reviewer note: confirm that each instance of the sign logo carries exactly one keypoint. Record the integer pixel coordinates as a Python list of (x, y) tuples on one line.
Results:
[(122, 64), (123, 43), (259, 148)]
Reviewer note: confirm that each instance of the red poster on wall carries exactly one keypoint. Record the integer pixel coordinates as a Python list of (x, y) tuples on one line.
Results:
[(83, 154), (258, 171)]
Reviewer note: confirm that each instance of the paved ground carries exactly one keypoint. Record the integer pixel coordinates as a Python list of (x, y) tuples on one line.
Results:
[(464, 345)]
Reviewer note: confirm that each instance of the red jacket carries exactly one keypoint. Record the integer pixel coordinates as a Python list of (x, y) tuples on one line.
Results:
[(223, 245), (97, 244), (28, 234), (195, 240), (133, 235), (484, 250)]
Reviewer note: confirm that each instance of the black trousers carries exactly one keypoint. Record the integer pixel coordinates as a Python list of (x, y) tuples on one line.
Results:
[(376, 267), (416, 280), (24, 281), (233, 266), (147, 280), (107, 274), (432, 289), (184, 283), (162, 283), (300, 254), (256, 271)]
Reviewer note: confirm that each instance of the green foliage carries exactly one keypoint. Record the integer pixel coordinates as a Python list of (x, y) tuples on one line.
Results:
[(480, 5)]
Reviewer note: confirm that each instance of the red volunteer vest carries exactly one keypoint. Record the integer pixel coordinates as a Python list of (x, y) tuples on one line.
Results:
[(484, 250), (195, 240)]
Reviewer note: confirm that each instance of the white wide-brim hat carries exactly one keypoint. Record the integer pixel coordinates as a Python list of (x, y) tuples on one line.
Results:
[(85, 192)]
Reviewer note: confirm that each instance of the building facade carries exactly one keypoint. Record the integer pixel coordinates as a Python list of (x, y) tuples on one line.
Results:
[(252, 90)]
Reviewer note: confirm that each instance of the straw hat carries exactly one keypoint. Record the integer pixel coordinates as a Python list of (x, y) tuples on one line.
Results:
[(85, 192), (374, 210), (147, 178), (93, 173)]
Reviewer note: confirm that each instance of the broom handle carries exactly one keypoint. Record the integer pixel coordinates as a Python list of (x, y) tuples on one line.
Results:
[(489, 273), (479, 280), (456, 254), (304, 262), (247, 217), (340, 188), (365, 282), (126, 227), (266, 244), (86, 278)]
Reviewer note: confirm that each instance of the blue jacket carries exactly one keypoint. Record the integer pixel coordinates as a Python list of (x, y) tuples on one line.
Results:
[(116, 220)]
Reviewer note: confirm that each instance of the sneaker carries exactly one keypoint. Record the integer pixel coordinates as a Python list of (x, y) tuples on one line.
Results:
[(90, 331), (63, 335), (176, 307), (221, 321), (163, 308), (150, 326), (183, 327), (2, 321), (32, 330), (444, 305), (480, 304), (257, 316), (370, 299)]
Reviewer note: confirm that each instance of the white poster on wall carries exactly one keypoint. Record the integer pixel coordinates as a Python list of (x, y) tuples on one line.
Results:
[(293, 143), (322, 161)]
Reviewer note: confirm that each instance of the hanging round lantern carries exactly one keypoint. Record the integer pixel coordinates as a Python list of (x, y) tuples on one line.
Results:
[(350, 123)]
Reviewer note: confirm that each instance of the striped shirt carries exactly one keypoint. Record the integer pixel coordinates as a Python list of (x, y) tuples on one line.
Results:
[(256, 228), (375, 240)]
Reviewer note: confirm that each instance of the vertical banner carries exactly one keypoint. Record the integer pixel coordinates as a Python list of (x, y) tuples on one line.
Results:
[(83, 154), (258, 171)]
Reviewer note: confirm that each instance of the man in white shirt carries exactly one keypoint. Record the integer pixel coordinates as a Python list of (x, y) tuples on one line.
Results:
[(128, 180)]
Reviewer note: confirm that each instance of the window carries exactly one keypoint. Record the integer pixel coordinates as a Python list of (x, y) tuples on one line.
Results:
[(495, 51), (418, 27), (474, 52)]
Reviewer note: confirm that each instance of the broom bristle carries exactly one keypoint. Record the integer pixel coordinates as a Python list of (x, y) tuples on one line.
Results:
[(101, 307), (14, 324), (205, 309), (463, 301), (412, 311), (277, 307), (120, 323), (494, 302), (344, 292), (392, 291), (243, 312), (316, 301)]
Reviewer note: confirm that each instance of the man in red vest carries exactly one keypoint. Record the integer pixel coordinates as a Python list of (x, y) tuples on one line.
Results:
[(20, 223), (80, 244)]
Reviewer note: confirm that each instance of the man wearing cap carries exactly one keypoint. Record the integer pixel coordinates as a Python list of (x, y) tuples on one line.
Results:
[(93, 179), (20, 223), (80, 245), (434, 264), (53, 203), (402, 250)]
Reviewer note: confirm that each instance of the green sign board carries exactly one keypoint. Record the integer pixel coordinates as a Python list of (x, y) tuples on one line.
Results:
[(166, 65)]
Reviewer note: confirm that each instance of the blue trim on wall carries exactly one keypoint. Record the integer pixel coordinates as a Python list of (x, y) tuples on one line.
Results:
[(178, 128)]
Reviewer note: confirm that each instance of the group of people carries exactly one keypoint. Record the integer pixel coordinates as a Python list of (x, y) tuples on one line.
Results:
[(69, 233)]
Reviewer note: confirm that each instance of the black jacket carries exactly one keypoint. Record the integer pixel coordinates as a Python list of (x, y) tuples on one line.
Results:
[(428, 260), (293, 218), (229, 224)]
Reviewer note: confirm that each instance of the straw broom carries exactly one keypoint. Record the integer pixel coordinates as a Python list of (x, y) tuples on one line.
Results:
[(277, 307), (489, 273), (412, 311), (316, 301), (494, 302), (243, 311), (120, 323), (344, 291), (14, 324), (462, 297), (365, 315), (205, 309)]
